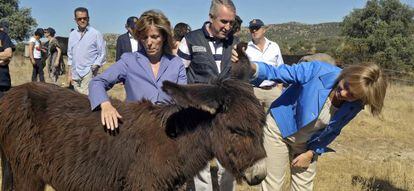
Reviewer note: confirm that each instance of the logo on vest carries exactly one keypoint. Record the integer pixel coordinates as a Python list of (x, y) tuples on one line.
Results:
[(199, 49)]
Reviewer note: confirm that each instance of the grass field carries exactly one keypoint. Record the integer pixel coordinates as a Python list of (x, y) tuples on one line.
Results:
[(371, 154)]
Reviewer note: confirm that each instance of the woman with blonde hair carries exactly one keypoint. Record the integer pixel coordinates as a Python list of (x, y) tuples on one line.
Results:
[(310, 114), (142, 72)]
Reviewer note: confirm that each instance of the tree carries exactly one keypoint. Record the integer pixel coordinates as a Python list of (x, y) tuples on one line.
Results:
[(20, 20), (382, 32)]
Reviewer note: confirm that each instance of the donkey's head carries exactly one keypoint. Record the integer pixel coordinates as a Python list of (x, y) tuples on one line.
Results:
[(236, 126)]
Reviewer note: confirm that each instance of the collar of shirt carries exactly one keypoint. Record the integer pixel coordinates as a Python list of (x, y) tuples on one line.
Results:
[(209, 36), (130, 35), (267, 44), (86, 29)]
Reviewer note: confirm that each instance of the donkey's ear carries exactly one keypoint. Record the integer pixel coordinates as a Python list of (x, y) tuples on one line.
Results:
[(202, 96), (241, 70)]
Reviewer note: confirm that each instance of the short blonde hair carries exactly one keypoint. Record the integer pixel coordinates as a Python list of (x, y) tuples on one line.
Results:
[(158, 20), (368, 82)]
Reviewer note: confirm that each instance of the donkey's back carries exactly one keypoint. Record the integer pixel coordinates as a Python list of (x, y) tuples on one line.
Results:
[(46, 131)]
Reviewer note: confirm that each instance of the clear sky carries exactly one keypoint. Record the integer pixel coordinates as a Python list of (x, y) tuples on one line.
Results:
[(109, 16)]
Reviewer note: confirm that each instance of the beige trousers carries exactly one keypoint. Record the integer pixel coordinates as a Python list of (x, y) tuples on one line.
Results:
[(267, 96), (280, 153), (82, 85)]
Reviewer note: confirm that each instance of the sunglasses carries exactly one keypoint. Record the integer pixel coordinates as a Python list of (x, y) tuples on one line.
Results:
[(82, 18), (254, 28)]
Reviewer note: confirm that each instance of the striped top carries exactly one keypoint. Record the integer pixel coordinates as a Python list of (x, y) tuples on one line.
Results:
[(216, 46)]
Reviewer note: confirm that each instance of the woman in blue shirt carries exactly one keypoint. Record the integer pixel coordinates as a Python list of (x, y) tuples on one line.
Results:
[(311, 113), (141, 72)]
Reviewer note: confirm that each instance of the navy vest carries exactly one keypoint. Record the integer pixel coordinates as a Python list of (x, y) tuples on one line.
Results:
[(203, 66)]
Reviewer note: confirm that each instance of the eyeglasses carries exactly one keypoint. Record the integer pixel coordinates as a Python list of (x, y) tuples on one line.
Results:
[(82, 18)]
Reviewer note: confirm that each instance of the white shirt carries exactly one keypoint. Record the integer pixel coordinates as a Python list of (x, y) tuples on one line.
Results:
[(134, 43), (37, 54), (271, 55)]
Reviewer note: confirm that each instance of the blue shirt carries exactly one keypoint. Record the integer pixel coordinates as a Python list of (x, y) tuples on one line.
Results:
[(134, 69), (85, 51), (301, 103)]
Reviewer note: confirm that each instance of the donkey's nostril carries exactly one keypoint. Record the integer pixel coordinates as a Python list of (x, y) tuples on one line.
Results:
[(255, 174)]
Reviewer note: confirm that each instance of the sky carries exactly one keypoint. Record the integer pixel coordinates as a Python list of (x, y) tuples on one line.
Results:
[(109, 16)]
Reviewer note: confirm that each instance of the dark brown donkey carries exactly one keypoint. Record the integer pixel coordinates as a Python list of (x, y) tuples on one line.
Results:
[(50, 136)]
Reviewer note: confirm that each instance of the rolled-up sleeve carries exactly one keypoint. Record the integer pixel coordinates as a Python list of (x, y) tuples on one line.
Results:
[(105, 81)]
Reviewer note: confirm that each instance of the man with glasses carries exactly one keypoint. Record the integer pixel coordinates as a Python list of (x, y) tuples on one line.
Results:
[(206, 53), (86, 52), (260, 49)]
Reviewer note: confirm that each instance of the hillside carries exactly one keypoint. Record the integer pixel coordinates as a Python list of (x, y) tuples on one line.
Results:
[(294, 31), (299, 38)]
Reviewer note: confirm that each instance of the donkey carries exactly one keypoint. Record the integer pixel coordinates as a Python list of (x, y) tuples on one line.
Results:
[(50, 136)]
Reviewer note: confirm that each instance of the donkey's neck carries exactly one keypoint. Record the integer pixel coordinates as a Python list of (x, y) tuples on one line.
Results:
[(195, 150), (190, 128)]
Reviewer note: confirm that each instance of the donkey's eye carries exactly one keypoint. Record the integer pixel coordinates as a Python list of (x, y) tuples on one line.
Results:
[(236, 130)]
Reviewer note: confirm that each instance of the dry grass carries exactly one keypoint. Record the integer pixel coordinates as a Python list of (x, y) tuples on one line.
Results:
[(371, 154)]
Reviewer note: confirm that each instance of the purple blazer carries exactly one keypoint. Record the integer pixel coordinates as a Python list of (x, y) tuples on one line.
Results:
[(134, 70)]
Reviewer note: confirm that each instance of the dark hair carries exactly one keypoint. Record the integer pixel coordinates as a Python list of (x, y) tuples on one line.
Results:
[(180, 30), (81, 9), (237, 24), (39, 32), (51, 31)]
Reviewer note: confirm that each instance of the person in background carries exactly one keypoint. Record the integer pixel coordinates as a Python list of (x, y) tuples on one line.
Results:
[(86, 52), (180, 30), (261, 49), (236, 29), (6, 55), (142, 72), (126, 42), (206, 53), (35, 54), (56, 67)]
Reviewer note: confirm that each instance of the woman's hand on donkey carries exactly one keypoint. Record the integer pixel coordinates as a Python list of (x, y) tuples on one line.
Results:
[(109, 116)]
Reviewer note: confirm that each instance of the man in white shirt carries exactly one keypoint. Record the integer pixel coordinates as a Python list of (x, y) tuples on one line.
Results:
[(260, 49), (127, 41)]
